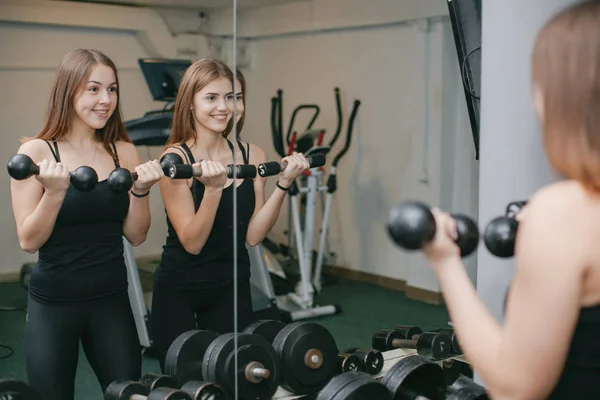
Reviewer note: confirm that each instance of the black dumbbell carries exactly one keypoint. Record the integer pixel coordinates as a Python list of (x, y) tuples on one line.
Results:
[(411, 225), (428, 344), (371, 359), (201, 390), (500, 233), (155, 381), (186, 171), (122, 179), (130, 390), (21, 166), (275, 167), (349, 362), (452, 336)]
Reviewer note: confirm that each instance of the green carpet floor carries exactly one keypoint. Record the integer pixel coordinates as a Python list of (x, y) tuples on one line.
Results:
[(365, 309)]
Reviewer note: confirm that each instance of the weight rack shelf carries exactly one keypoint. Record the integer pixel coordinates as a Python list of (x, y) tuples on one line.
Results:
[(389, 359)]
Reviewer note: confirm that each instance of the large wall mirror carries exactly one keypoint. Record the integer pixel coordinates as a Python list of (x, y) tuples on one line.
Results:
[(324, 114)]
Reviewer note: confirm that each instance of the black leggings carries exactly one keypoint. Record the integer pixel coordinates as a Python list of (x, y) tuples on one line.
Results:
[(108, 336), (176, 311)]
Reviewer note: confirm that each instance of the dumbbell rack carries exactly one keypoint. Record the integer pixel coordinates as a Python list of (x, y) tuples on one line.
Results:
[(390, 358)]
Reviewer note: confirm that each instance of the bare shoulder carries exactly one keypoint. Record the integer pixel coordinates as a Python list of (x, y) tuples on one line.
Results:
[(257, 154), (557, 218), (128, 154), (36, 149), (559, 200)]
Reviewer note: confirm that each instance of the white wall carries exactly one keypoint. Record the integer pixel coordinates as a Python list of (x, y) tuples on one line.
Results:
[(406, 76)]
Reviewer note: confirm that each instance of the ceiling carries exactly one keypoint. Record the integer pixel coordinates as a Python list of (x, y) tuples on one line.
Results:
[(195, 4)]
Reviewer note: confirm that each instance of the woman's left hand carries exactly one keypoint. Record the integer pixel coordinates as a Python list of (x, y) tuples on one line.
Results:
[(148, 174), (442, 247), (296, 164)]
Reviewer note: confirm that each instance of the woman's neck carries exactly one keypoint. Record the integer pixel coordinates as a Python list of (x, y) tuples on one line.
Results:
[(209, 143), (80, 134)]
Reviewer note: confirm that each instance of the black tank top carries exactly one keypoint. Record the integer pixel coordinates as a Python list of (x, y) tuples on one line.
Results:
[(82, 259), (213, 266), (579, 379)]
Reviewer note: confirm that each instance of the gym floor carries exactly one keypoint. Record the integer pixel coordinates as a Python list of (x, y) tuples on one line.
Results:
[(365, 309)]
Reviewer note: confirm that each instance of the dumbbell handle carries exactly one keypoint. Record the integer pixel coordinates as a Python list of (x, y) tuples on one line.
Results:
[(275, 167), (255, 372), (405, 343), (186, 171)]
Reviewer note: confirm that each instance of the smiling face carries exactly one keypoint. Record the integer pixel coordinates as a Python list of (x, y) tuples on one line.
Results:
[(212, 106), (96, 101)]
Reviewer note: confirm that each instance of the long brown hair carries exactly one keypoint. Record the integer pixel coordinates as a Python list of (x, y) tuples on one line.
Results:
[(195, 78), (240, 124), (566, 70), (73, 71)]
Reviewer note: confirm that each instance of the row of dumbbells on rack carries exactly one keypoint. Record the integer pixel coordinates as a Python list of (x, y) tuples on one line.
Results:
[(440, 345), (411, 224), (302, 358), (412, 377)]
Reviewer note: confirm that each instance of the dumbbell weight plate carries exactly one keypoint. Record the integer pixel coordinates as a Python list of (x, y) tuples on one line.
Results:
[(354, 385), (414, 376), (200, 390), (372, 360), (465, 389), (184, 357), (163, 393), (452, 370), (155, 381), (349, 362), (121, 389), (309, 357), (218, 365), (17, 390), (266, 328)]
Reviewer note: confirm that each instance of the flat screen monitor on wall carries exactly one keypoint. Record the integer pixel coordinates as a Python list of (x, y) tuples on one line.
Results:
[(465, 17), (163, 76)]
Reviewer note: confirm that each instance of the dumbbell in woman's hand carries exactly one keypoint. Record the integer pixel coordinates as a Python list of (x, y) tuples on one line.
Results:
[(411, 224), (275, 167), (500, 234), (186, 171), (121, 179), (21, 166)]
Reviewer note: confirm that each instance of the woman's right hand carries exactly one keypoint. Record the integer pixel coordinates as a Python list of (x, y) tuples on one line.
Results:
[(55, 177), (214, 174)]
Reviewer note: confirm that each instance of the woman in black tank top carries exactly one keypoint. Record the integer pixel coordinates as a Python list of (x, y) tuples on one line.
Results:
[(195, 279), (78, 288), (548, 347)]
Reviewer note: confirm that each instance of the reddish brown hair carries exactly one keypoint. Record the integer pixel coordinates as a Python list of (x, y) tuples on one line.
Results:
[(195, 78), (71, 76), (566, 70), (240, 124)]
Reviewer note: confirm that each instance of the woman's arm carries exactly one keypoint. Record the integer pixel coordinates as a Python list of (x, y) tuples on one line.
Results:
[(138, 219), (524, 359), (35, 208), (266, 213), (192, 228)]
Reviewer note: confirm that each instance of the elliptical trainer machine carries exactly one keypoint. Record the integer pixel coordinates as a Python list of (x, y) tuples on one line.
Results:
[(298, 303)]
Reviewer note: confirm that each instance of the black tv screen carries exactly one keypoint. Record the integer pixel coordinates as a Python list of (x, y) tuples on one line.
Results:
[(465, 17), (163, 76)]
